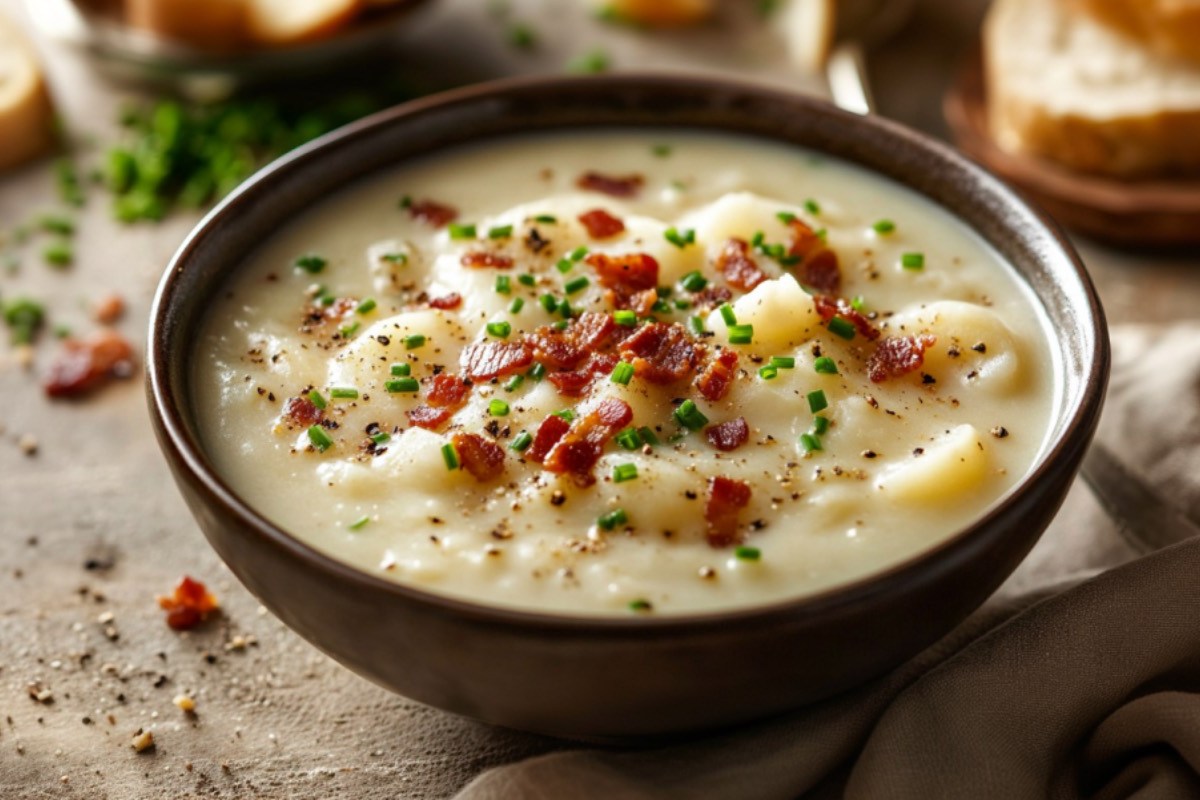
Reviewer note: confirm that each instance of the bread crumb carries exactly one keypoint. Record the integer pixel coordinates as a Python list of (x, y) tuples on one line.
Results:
[(185, 704), (142, 741), (109, 309), (28, 444)]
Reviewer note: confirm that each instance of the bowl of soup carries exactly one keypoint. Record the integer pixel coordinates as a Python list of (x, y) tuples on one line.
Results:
[(624, 407)]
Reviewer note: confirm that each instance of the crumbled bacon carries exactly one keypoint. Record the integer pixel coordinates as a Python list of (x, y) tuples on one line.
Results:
[(711, 296), (728, 436), (109, 309), (482, 458), (188, 605), (898, 355), (548, 433), (600, 224), (661, 352), (447, 303), (428, 417), (819, 265), (483, 361), (577, 452), (87, 364), (830, 307), (446, 394), (433, 213), (301, 412), (718, 376), (480, 260), (726, 497), (631, 279), (564, 349), (622, 186), (739, 268), (571, 384)]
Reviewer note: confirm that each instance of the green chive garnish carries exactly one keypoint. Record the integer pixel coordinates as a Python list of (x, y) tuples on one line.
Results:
[(810, 443), (812, 207), (317, 399), (661, 150), (461, 231), (820, 425), (640, 605), (343, 393), (817, 401), (884, 226), (576, 285), (537, 372), (500, 232), (516, 305), (825, 365), (359, 523), (566, 413), (404, 385), (624, 472), (741, 334), (395, 258), (401, 370), (693, 281), (365, 307), (625, 318), (648, 436), (526, 279), (680, 240), (629, 439), (747, 553), (349, 330), (311, 264), (503, 284), (786, 217), (727, 314), (319, 438), (564, 265), (783, 362), (498, 408), (612, 519), (548, 219), (549, 303), (414, 341), (589, 63), (578, 253), (521, 442), (383, 437), (450, 456), (840, 326), (522, 37), (59, 254), (696, 325), (514, 383), (768, 372), (913, 261), (689, 416), (622, 373), (55, 224), (858, 302), (500, 330)]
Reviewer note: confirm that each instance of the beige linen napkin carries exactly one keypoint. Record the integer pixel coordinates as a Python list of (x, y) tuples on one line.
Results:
[(1063, 685)]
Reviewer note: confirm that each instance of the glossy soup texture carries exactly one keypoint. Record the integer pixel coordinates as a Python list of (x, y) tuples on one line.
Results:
[(624, 373)]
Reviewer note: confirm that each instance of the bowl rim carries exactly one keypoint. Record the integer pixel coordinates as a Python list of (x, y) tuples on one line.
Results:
[(1077, 422)]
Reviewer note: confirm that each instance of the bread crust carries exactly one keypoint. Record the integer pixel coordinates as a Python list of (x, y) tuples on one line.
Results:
[(264, 28), (26, 112), (1169, 27)]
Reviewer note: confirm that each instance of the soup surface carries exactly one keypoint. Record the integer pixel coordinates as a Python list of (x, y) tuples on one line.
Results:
[(619, 373)]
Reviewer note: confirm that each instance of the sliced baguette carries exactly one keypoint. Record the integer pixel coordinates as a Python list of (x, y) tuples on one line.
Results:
[(221, 26), (1169, 27), (808, 26), (26, 114), (287, 22), (1063, 87)]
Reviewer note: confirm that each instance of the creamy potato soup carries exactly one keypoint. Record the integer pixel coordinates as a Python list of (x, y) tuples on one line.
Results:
[(624, 373)]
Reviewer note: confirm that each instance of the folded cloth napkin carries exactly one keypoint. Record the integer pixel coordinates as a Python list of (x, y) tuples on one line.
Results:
[(1078, 679)]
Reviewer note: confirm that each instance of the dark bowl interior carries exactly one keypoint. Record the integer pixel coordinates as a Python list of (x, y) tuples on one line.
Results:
[(623, 678)]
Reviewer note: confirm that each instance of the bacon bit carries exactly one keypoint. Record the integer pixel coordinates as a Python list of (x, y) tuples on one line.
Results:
[(563, 350), (726, 497), (435, 214), (188, 605), (624, 186), (570, 384), (600, 224), (661, 352), (577, 452), (819, 263), (898, 355), (478, 260), (484, 361), (85, 365), (711, 296), (447, 391), (728, 436), (301, 412), (109, 309), (548, 434), (447, 303), (716, 379), (430, 419), (830, 307), (630, 272), (478, 456), (738, 267)]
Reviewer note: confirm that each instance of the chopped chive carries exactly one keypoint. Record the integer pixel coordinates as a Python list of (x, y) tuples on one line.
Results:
[(648, 436), (825, 365), (840, 326), (359, 523), (503, 284), (680, 240), (461, 231), (640, 605), (590, 63), (884, 226), (576, 285), (319, 438), (858, 303), (402, 370), (578, 253), (689, 416), (744, 553), (768, 372), (537, 372), (349, 330), (564, 308), (547, 219), (783, 362), (343, 393), (406, 201), (514, 383), (516, 305), (59, 254), (694, 281), (741, 334), (812, 207), (810, 443), (498, 408), (526, 279), (625, 318), (365, 307), (500, 330), (566, 413), (696, 325), (404, 385), (500, 232), (612, 519), (661, 307), (317, 399), (629, 439), (624, 472), (817, 401), (395, 258), (63, 226), (913, 261), (450, 456), (756, 241), (310, 263), (786, 217), (564, 265), (414, 341), (622, 373), (727, 314), (820, 425), (522, 37), (549, 303), (661, 150), (383, 437), (521, 442), (561, 325)]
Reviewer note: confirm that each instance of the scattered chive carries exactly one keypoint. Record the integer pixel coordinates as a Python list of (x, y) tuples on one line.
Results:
[(549, 303), (450, 456), (317, 399), (547, 219), (406, 201), (500, 232), (578, 253), (689, 416), (319, 438), (414, 341), (516, 305), (683, 305), (812, 207), (564, 308), (514, 383), (359, 523), (728, 315), (404, 385), (648, 436), (310, 263), (640, 605), (564, 265), (825, 365), (59, 254), (622, 373), (817, 401), (624, 472), (661, 307), (680, 240), (612, 519), (498, 408), (526, 279), (820, 425), (913, 261), (744, 553), (694, 281), (343, 393), (810, 443), (783, 362), (625, 318), (661, 150), (63, 226), (884, 226), (402, 370), (566, 414), (383, 437), (537, 372), (590, 63), (629, 439), (696, 325), (786, 217), (349, 330), (576, 285), (521, 442), (522, 37), (756, 241), (840, 326), (500, 330), (503, 284), (768, 372), (461, 231), (365, 307), (741, 334), (561, 325)]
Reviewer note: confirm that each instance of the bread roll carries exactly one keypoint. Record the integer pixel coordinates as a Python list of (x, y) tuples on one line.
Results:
[(218, 25), (287, 22), (1169, 27), (26, 114)]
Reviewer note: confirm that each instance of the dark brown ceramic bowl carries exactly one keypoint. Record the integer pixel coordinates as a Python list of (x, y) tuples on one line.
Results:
[(634, 677)]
